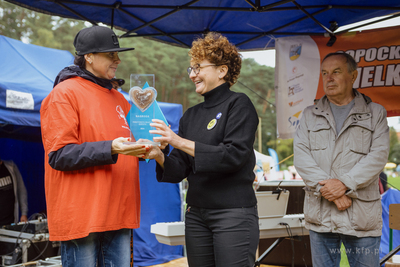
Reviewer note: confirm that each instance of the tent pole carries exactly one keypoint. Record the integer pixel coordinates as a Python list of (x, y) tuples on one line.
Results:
[(76, 13), (314, 19), (161, 17)]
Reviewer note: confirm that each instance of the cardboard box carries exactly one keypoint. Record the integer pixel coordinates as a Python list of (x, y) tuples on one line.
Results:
[(393, 261), (391, 264)]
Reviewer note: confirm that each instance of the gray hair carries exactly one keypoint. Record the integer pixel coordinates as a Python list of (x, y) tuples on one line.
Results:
[(351, 63)]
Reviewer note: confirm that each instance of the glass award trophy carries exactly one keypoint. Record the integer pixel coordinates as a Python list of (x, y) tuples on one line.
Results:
[(145, 108)]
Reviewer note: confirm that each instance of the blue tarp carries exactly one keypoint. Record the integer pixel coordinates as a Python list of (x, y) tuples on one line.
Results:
[(391, 196), (32, 69), (161, 202), (29, 69)]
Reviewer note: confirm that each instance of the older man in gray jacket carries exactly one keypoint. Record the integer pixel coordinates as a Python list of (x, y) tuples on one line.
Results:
[(340, 147)]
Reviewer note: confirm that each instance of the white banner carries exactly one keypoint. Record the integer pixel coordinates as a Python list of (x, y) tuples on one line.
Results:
[(296, 80), (297, 71)]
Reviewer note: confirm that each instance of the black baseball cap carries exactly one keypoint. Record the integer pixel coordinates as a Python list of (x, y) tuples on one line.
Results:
[(97, 39)]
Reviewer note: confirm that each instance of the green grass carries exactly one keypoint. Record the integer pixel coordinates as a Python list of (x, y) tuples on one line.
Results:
[(394, 182), (343, 261)]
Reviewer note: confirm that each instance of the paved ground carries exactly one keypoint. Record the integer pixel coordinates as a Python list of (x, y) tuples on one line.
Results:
[(182, 262)]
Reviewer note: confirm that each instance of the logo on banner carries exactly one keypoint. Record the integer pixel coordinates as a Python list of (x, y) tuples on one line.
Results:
[(291, 90), (295, 103), (294, 120), (295, 51), (294, 89)]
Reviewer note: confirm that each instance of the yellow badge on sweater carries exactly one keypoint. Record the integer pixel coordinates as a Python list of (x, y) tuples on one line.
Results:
[(211, 124)]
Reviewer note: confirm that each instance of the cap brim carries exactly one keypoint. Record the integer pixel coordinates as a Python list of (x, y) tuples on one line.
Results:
[(121, 49)]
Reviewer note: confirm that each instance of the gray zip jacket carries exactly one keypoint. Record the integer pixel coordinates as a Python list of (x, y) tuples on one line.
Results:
[(355, 156)]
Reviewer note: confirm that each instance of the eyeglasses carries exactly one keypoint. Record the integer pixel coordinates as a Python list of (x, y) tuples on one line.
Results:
[(197, 67)]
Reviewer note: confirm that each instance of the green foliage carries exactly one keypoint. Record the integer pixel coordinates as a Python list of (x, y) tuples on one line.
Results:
[(393, 153), (393, 136), (36, 28), (394, 182), (284, 149), (55, 32), (167, 63), (13, 20), (257, 82)]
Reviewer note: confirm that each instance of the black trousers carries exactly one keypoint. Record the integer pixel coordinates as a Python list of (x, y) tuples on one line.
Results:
[(221, 237)]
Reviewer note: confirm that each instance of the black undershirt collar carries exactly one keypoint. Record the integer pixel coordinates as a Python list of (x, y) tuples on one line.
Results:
[(100, 81), (75, 71)]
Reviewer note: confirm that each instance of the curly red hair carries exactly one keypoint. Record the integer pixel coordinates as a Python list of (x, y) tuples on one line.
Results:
[(216, 48)]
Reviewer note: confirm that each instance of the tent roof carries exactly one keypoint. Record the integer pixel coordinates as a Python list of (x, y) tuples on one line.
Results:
[(249, 24), (28, 73)]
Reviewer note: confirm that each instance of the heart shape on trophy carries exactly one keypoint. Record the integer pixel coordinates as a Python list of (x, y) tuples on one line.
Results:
[(143, 98)]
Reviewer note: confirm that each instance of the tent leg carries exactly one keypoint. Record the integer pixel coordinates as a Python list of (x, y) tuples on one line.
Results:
[(268, 251), (389, 255)]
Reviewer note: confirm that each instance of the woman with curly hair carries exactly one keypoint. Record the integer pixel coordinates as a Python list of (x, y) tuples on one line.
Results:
[(214, 150)]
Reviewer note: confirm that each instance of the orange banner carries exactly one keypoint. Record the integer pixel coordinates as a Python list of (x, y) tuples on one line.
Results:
[(377, 53)]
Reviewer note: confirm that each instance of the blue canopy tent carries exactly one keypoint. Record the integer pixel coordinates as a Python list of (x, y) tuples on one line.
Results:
[(28, 72), (249, 24)]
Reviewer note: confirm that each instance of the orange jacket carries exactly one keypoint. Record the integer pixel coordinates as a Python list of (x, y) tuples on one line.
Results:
[(93, 199)]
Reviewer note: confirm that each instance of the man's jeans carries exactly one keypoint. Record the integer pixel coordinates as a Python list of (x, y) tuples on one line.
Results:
[(326, 250), (110, 248)]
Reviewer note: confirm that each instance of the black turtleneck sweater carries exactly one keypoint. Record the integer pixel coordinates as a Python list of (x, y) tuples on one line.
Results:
[(220, 175)]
